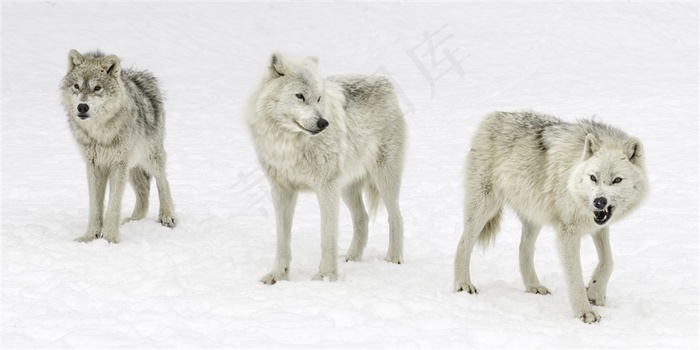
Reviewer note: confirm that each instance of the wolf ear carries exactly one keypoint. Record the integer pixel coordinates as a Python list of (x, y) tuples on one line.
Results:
[(278, 67), (591, 146), (634, 151), (74, 59), (112, 65)]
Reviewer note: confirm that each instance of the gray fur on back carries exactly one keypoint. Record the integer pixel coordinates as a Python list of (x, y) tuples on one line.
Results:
[(532, 157)]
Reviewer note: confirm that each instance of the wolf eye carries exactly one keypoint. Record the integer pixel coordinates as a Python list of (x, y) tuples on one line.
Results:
[(301, 97), (594, 179), (76, 86), (617, 180), (319, 99), (98, 88)]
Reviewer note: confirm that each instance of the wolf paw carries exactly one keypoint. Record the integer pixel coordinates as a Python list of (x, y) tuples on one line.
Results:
[(324, 277), (111, 238), (394, 259), (167, 221), (465, 287), (596, 300), (87, 238), (589, 317), (353, 255), (538, 290), (354, 252), (272, 278), (595, 296)]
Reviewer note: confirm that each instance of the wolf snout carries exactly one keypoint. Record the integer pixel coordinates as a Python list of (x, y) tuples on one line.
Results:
[(321, 124), (602, 212), (600, 203), (82, 111)]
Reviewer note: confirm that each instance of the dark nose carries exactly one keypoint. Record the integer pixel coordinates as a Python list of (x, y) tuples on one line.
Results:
[(83, 108), (322, 124), (600, 202)]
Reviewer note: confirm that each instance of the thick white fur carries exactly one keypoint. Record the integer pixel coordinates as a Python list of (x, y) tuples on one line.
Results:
[(544, 169), (362, 147)]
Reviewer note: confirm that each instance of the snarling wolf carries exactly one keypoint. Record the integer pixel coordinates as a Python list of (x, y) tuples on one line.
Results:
[(577, 177)]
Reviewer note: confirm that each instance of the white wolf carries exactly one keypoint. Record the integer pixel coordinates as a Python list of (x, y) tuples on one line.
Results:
[(333, 136), (578, 178), (117, 118)]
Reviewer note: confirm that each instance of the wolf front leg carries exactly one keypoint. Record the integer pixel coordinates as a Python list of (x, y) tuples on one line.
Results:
[(599, 282), (117, 183), (284, 201), (97, 183), (328, 198), (569, 243)]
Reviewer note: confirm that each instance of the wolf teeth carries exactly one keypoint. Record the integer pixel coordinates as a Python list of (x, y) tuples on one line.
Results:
[(602, 216)]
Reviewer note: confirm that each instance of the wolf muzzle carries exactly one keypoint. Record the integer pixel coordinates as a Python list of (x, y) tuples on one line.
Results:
[(82, 111), (604, 212)]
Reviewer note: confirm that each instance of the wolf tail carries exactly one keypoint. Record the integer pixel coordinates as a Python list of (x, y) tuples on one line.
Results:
[(372, 198), (487, 237)]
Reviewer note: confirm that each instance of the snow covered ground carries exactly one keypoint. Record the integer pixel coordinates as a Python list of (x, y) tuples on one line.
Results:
[(633, 65)]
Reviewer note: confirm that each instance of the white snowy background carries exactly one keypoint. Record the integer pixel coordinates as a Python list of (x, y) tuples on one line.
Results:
[(632, 65)]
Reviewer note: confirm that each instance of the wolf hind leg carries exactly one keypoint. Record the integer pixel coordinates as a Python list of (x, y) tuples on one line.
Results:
[(165, 212), (166, 207), (528, 239), (482, 216), (352, 196), (141, 183), (387, 181), (474, 229)]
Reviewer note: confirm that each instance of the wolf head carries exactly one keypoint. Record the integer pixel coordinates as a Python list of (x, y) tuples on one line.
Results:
[(292, 95), (610, 180), (92, 87)]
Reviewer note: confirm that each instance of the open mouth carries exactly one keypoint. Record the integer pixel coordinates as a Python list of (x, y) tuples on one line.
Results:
[(602, 216), (83, 116)]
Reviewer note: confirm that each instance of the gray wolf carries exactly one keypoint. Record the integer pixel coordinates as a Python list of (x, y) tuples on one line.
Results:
[(117, 118), (334, 136), (577, 177)]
